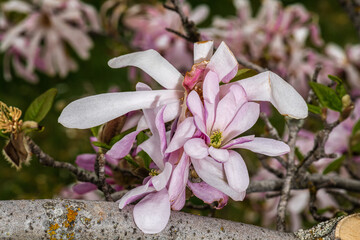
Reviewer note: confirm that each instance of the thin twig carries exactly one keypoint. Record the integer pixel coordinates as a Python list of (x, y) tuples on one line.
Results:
[(248, 64), (353, 200), (81, 174), (192, 33), (265, 164), (294, 126), (272, 130), (314, 78), (101, 175), (312, 206)]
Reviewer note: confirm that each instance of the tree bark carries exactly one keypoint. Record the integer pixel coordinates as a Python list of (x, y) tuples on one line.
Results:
[(78, 219)]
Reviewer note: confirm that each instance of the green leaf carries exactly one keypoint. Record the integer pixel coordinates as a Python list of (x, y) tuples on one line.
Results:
[(356, 128), (334, 165), (141, 137), (146, 158), (40, 106), (129, 159), (327, 96), (340, 89), (244, 73), (102, 145), (95, 130), (314, 109)]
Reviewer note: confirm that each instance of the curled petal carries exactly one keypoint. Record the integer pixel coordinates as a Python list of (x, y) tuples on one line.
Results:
[(179, 178), (266, 146), (152, 213), (268, 86), (208, 194), (152, 148), (236, 172), (196, 148), (223, 63), (95, 110), (153, 64)]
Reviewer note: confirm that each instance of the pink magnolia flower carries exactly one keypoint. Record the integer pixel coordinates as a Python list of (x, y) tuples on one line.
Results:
[(44, 33), (219, 119), (165, 188), (96, 110)]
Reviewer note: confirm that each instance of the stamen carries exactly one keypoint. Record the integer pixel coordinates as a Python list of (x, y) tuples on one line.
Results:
[(9, 119), (216, 139), (154, 172)]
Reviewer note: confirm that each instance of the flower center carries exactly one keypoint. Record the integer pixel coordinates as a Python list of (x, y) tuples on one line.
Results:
[(216, 139), (154, 172), (9, 119)]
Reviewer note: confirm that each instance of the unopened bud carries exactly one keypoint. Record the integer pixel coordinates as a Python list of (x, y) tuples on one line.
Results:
[(346, 101), (111, 129)]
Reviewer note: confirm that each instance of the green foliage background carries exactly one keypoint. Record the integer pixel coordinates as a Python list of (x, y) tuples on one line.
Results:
[(94, 76)]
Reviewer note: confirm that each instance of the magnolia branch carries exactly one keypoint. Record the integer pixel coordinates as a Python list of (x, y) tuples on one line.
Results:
[(81, 174), (294, 126)]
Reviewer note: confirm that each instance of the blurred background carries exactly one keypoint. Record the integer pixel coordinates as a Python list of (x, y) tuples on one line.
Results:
[(93, 76)]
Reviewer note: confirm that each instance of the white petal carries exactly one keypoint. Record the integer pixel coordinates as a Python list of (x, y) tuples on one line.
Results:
[(203, 51), (220, 155), (184, 132), (236, 172), (196, 148), (268, 86), (135, 194), (266, 146), (152, 213), (95, 110), (223, 62), (153, 64)]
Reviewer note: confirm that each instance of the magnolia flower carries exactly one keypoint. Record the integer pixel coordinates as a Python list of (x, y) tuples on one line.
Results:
[(220, 119), (40, 39), (165, 188), (96, 110)]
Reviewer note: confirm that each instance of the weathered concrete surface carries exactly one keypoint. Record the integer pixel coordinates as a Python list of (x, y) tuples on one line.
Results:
[(75, 219)]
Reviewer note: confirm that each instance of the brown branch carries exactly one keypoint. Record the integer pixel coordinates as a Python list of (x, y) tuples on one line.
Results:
[(81, 174), (312, 206), (314, 78), (294, 126), (192, 33), (265, 164), (272, 130), (248, 64), (100, 160), (353, 200)]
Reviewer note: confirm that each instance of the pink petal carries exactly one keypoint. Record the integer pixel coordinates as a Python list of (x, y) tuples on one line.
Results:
[(220, 155), (122, 147), (208, 194), (266, 146), (179, 202), (153, 64), (152, 213), (203, 51), (239, 140), (86, 161), (195, 105), (161, 180), (223, 63), (228, 107), (184, 132), (82, 188), (160, 127), (244, 119), (211, 98), (151, 147), (196, 148), (179, 178), (236, 172), (213, 174), (135, 194), (95, 110)]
